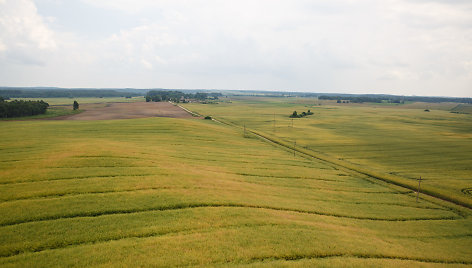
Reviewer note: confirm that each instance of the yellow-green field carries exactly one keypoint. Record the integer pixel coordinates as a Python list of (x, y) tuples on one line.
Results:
[(400, 142), (193, 192)]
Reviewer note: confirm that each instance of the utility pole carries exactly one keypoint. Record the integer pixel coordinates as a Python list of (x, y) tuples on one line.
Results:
[(418, 192), (294, 144)]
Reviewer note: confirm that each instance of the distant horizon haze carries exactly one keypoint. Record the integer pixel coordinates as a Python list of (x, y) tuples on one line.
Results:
[(227, 89)]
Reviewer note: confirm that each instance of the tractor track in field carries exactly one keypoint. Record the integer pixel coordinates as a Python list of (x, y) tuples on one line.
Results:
[(121, 237), (205, 205), (192, 231), (76, 178), (146, 189), (297, 257)]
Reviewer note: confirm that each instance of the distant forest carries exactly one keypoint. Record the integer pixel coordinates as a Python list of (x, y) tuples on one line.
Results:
[(177, 96), (17, 108), (160, 94), (393, 99), (64, 93)]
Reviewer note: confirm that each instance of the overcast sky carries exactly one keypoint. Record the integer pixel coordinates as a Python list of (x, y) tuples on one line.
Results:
[(406, 47)]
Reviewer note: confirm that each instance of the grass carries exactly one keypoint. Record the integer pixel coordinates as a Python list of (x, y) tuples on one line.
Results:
[(176, 192)]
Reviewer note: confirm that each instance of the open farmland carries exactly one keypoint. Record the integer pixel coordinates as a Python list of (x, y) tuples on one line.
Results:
[(184, 191), (400, 142)]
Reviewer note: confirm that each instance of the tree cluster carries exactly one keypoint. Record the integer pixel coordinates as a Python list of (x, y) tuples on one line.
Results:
[(177, 96), (303, 114), (17, 108)]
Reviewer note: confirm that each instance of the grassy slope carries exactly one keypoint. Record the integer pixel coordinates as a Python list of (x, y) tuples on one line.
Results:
[(167, 191), (407, 143)]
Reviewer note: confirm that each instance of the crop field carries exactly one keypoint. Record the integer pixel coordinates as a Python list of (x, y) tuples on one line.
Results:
[(404, 143), (193, 192)]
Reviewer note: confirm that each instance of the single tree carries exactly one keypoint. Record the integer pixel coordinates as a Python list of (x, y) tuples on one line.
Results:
[(76, 105)]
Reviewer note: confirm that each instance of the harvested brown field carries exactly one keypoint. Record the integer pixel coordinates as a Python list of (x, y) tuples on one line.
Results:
[(112, 111)]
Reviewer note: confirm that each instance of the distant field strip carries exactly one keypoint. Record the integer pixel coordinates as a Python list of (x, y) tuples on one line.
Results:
[(179, 192)]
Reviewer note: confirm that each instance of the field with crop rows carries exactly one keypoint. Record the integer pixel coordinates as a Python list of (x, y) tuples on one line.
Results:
[(194, 192), (403, 142)]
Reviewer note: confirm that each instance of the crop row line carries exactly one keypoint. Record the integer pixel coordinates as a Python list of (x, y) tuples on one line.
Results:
[(62, 194), (76, 178), (58, 195), (202, 205), (55, 195), (332, 189), (101, 239), (296, 257), (110, 166), (162, 233)]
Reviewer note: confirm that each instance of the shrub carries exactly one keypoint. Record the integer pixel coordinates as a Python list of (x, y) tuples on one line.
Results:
[(294, 114)]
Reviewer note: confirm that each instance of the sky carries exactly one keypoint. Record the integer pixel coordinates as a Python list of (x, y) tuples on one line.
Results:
[(403, 47)]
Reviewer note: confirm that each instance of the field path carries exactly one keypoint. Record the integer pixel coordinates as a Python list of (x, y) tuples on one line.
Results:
[(126, 111)]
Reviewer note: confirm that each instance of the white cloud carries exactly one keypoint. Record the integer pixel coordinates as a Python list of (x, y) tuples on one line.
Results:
[(24, 36), (392, 46)]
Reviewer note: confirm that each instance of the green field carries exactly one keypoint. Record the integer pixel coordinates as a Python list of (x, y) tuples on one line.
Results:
[(193, 192)]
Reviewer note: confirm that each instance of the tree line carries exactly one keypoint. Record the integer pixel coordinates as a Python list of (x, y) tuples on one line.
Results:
[(177, 96), (303, 114), (17, 108), (394, 99), (15, 93)]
